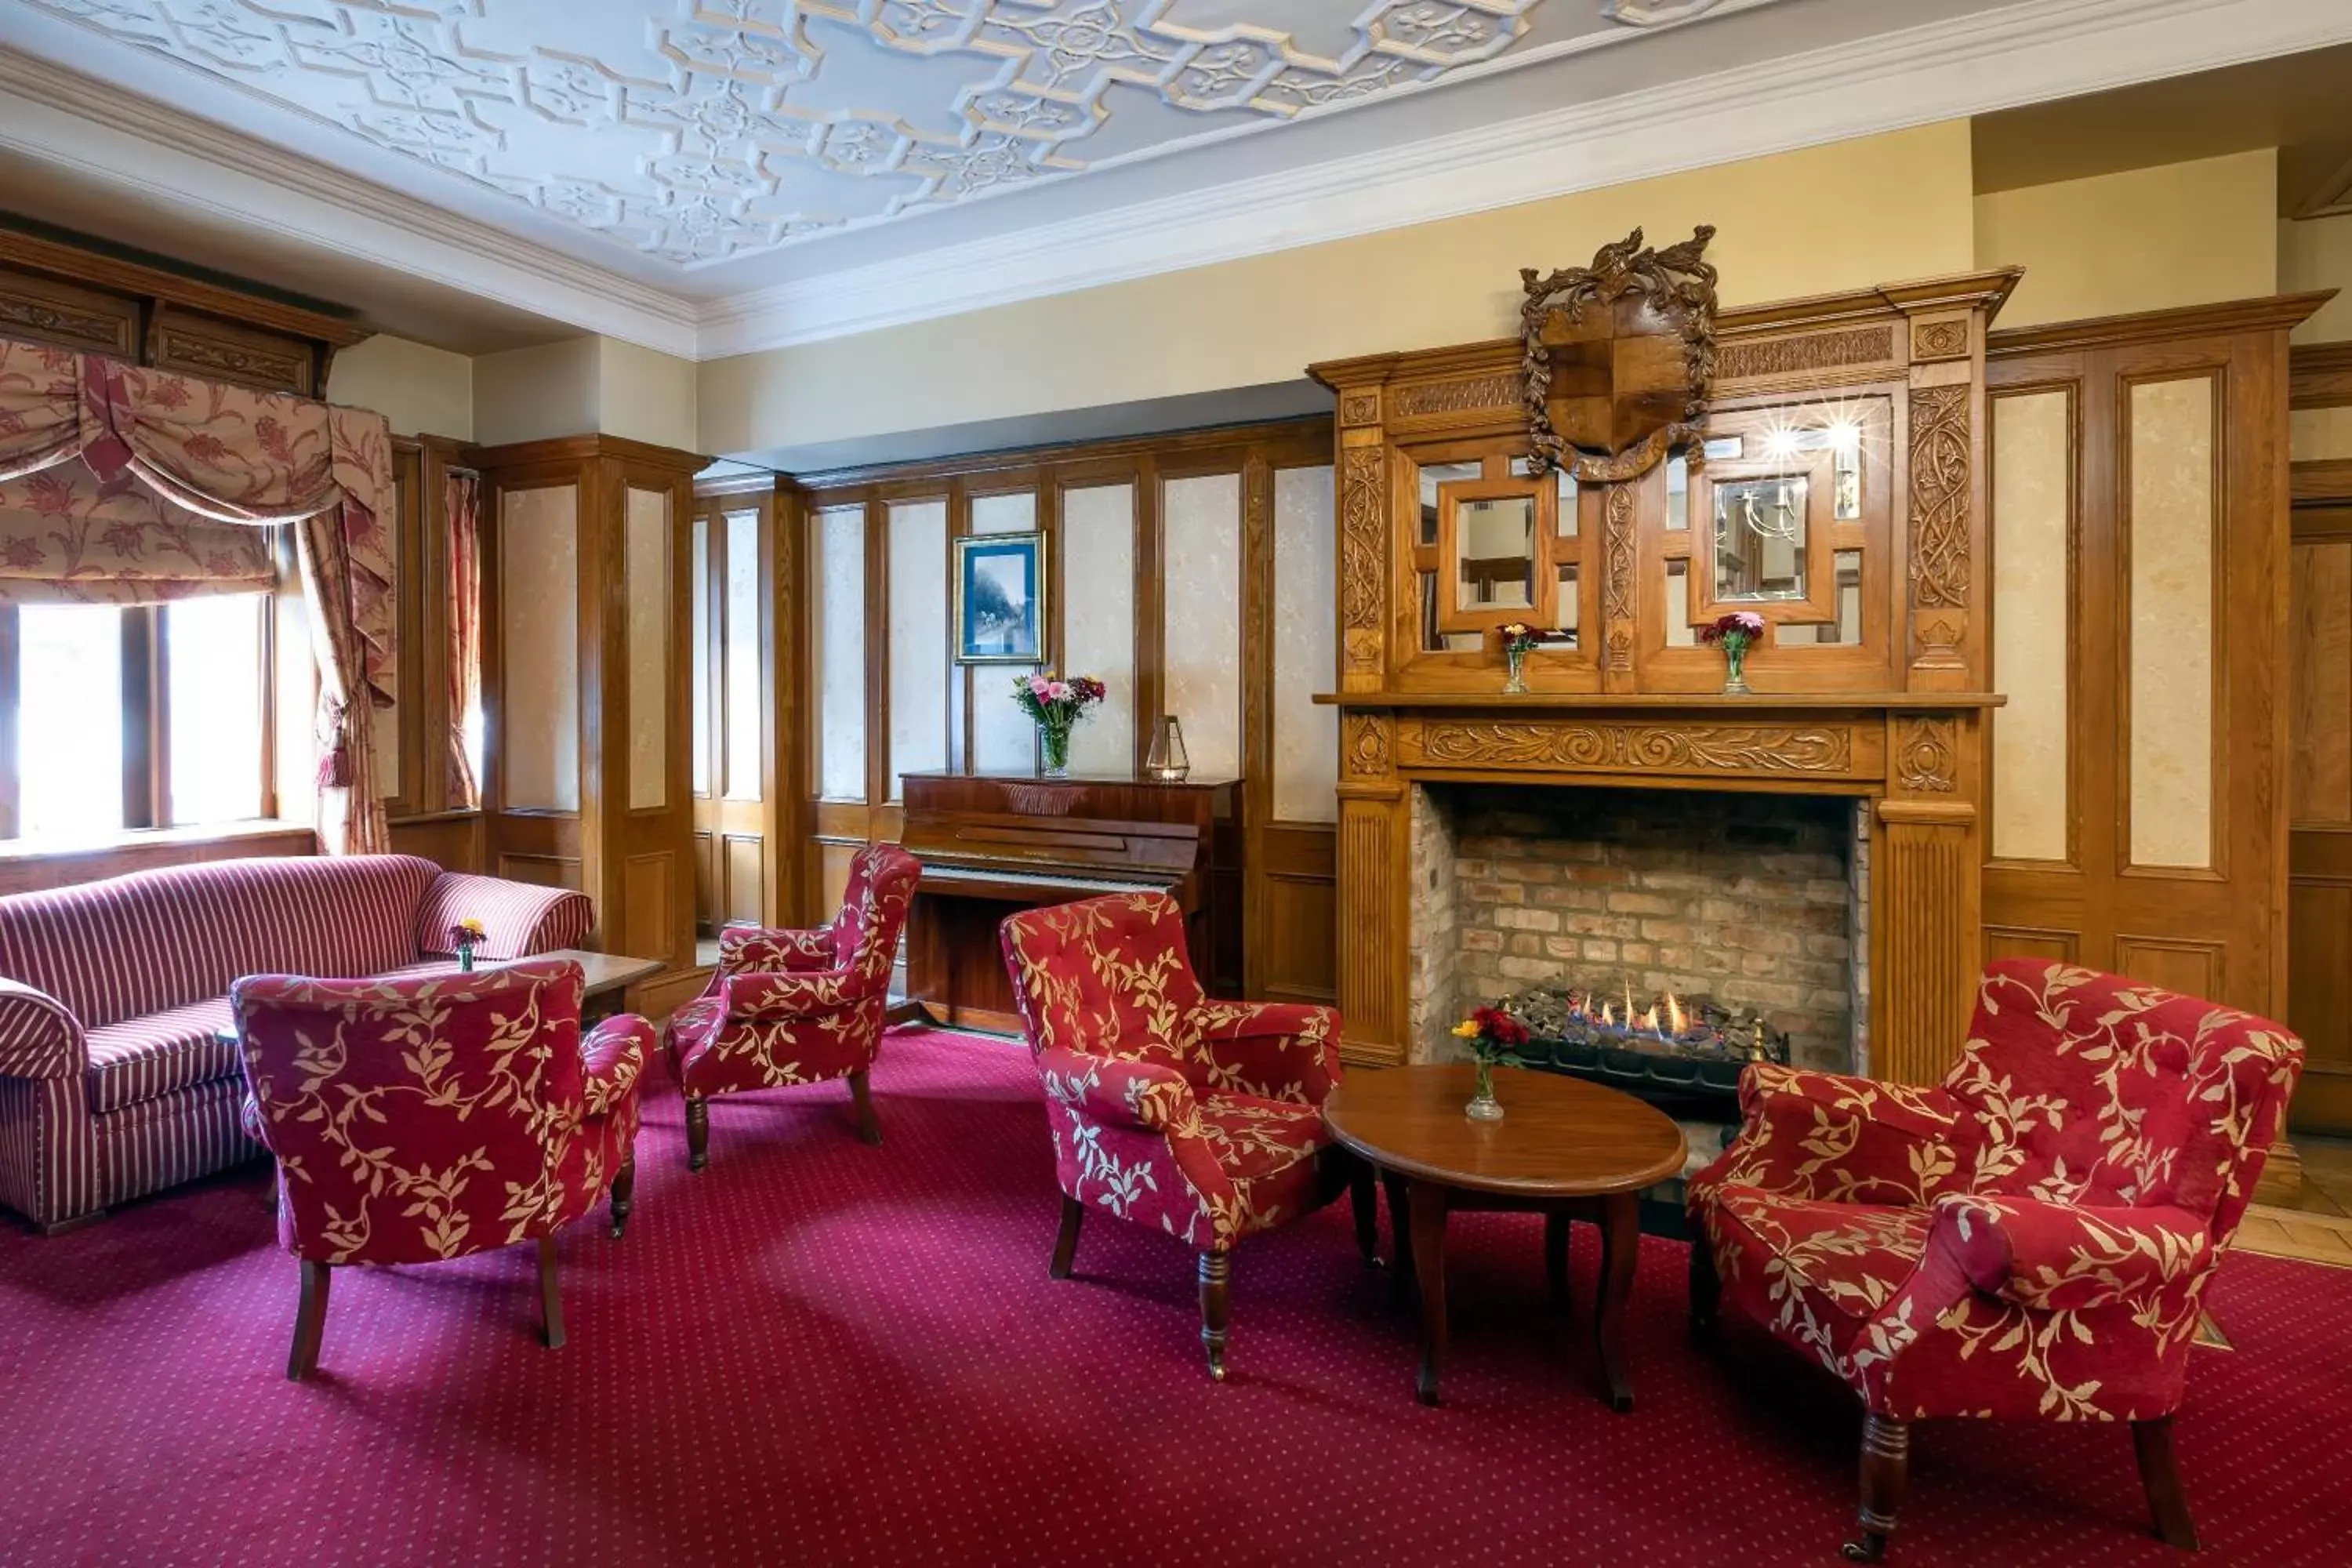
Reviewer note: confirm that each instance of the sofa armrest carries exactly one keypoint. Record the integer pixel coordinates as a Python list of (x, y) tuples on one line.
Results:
[(518, 919), (2061, 1257), (1276, 1050), (1838, 1138), (1140, 1095), (39, 1036), (613, 1055), (762, 949)]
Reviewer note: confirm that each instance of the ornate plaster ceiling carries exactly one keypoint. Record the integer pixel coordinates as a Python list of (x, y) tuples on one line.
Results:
[(697, 131)]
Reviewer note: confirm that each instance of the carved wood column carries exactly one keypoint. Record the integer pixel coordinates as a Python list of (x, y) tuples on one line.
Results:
[(1927, 945), (1375, 892)]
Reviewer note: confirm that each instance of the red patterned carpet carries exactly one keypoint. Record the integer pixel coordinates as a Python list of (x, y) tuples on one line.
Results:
[(815, 1352)]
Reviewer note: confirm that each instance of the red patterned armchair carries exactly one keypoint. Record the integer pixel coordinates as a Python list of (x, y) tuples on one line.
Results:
[(420, 1118), (797, 1007), (1200, 1118), (2030, 1239)]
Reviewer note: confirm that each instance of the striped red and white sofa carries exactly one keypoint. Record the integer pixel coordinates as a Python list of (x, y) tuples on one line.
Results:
[(113, 1082)]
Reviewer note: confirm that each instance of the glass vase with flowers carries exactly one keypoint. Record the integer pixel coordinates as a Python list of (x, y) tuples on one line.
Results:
[(1495, 1039), (1055, 704), (1735, 633), (1518, 637)]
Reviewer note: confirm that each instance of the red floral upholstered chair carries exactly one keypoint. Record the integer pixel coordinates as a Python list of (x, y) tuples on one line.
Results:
[(2031, 1239), (797, 1007), (426, 1117), (1200, 1118)]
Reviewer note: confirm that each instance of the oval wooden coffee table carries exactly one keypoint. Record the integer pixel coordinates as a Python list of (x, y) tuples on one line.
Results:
[(1565, 1148)]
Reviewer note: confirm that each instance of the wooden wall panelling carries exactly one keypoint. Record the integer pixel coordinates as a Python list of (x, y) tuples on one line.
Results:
[(2319, 792), (2219, 930), (737, 873), (1290, 961), (636, 860)]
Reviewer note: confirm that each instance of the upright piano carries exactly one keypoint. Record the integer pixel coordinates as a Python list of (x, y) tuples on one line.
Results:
[(995, 844)]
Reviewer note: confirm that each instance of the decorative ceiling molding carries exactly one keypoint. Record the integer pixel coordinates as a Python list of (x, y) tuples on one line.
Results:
[(126, 140), (701, 131), (1994, 60)]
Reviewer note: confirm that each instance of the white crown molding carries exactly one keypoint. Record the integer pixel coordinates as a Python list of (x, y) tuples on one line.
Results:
[(79, 122), (1991, 60)]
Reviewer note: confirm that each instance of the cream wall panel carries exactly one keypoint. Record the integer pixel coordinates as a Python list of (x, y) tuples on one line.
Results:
[(2033, 438), (1004, 740), (1200, 573), (2179, 233), (698, 568), (2318, 254), (2313, 434), (1844, 215), (918, 639), (1305, 734), (539, 647), (745, 639), (2170, 656), (840, 641), (1099, 620), (645, 581), (422, 390)]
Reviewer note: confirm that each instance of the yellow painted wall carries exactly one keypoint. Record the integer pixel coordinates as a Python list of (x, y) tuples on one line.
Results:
[(2318, 254), (420, 389), (1872, 210), (2182, 234), (584, 386)]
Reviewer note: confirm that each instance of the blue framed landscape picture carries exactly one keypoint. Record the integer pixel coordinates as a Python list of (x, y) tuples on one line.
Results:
[(999, 598)]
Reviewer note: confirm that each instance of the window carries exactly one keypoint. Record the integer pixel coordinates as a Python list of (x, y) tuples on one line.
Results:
[(133, 718)]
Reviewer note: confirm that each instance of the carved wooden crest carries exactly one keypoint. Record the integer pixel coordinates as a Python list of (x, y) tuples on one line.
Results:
[(1618, 357)]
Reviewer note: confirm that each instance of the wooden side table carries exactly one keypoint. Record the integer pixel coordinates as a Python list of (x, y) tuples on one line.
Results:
[(607, 977), (1565, 1148)]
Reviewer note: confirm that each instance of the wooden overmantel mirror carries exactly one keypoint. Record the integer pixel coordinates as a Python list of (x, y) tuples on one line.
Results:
[(1828, 474)]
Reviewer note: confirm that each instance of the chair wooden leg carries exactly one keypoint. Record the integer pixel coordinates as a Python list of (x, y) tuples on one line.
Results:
[(624, 1195), (1885, 1470), (869, 1130), (551, 1298), (1363, 1194), (1066, 1244), (310, 1321), (1217, 1307), (697, 1132), (1706, 1289), (2159, 1474)]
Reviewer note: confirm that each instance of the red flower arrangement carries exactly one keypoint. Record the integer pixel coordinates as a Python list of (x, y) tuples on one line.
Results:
[(1738, 631), (1495, 1037)]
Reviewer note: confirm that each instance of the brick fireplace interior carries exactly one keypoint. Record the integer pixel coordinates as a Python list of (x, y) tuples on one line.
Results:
[(1753, 901)]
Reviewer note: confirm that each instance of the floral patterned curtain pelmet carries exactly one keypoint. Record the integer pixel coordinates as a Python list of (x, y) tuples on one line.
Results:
[(125, 485)]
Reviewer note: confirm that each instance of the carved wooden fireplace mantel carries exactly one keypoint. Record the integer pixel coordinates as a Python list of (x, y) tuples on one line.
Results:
[(1842, 496)]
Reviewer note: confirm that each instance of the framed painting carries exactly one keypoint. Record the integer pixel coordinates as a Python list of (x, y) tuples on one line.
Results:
[(999, 598)]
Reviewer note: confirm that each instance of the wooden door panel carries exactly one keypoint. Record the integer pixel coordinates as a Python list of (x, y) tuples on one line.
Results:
[(2144, 515)]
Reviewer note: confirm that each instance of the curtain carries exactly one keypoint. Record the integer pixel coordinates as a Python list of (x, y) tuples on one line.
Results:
[(129, 485), (465, 628)]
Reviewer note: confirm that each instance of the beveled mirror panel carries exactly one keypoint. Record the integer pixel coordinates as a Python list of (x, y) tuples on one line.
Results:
[(1760, 540), (1495, 553)]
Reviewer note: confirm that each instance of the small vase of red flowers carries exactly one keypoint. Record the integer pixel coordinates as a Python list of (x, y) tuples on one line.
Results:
[(1517, 637), (1736, 633), (1494, 1038)]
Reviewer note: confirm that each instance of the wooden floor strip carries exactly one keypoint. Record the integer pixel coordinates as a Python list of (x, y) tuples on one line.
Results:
[(2298, 1234)]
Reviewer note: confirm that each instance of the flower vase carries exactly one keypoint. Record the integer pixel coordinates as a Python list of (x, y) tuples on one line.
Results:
[(1514, 667), (1053, 742), (1735, 653), (464, 958), (1484, 1106)]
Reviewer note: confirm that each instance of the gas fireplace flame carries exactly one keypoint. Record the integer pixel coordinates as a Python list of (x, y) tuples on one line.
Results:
[(1674, 1019), (1665, 1017)]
